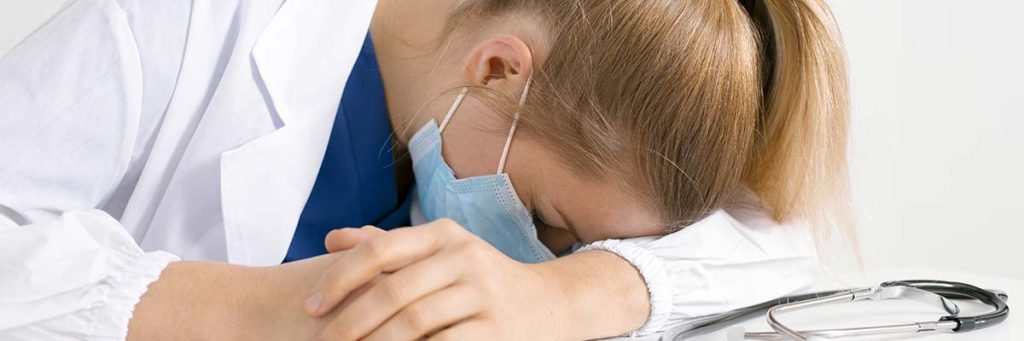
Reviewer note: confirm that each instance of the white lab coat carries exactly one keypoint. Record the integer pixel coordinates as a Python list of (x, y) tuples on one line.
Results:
[(200, 125), (196, 126), (137, 132)]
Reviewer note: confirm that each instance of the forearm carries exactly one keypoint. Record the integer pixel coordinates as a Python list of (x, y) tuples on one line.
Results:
[(603, 294), (192, 301), (199, 301)]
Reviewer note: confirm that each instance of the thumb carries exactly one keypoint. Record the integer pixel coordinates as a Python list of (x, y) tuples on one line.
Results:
[(344, 239)]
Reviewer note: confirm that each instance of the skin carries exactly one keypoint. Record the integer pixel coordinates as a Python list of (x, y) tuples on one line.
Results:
[(429, 285), (498, 57), (426, 291), (415, 283)]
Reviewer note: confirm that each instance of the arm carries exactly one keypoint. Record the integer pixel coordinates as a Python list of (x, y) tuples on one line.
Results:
[(72, 99), (210, 301), (441, 281), (214, 301), (79, 274), (83, 275), (69, 109), (444, 283), (590, 283), (726, 261)]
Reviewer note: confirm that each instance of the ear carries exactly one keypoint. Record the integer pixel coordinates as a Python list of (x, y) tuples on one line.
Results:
[(504, 62)]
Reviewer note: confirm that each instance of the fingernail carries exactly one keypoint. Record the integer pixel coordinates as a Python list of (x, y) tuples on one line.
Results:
[(313, 302)]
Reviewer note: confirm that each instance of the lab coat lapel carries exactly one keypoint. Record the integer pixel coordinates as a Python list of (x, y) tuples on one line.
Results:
[(303, 60)]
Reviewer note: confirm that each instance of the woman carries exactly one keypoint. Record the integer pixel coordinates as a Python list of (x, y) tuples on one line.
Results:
[(199, 128)]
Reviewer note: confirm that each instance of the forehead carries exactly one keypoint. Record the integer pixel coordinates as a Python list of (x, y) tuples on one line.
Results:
[(598, 208)]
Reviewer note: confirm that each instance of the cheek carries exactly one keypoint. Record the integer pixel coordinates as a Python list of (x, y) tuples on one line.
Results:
[(533, 172), (470, 153)]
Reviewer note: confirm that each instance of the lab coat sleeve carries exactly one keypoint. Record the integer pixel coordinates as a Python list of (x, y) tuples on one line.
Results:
[(732, 259), (70, 98), (77, 277)]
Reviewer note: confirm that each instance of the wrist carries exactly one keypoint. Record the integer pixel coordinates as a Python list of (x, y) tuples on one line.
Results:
[(601, 294), (561, 318), (215, 301), (276, 310)]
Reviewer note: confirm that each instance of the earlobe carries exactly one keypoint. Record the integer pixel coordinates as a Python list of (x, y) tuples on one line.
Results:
[(505, 59)]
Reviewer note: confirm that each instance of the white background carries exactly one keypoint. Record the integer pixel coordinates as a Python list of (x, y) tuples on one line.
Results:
[(938, 131)]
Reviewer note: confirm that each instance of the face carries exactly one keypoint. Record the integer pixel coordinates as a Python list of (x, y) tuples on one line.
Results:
[(567, 207)]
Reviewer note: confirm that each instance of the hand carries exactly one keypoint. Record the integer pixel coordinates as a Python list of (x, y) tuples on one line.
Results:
[(441, 283)]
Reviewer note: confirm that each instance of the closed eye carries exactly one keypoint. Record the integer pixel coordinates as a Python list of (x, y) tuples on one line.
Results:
[(538, 221)]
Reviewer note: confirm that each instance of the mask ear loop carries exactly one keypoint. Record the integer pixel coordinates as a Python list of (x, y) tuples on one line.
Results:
[(451, 112), (515, 125)]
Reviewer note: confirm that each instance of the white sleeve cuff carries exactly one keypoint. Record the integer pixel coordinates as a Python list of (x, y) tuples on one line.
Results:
[(656, 277), (716, 265), (124, 290)]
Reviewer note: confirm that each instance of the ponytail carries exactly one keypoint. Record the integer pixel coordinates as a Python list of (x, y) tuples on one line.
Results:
[(684, 103), (798, 165)]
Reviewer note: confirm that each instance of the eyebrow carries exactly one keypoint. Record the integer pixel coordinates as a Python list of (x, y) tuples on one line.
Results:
[(569, 225)]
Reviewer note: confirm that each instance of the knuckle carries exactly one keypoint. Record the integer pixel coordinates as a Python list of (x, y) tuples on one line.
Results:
[(477, 251), (376, 250), (487, 290), (449, 226), (480, 295), (415, 318), (392, 292)]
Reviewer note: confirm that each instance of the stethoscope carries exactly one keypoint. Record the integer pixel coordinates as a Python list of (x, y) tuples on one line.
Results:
[(939, 293)]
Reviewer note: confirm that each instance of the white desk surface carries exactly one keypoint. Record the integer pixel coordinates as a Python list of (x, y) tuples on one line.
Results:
[(889, 312)]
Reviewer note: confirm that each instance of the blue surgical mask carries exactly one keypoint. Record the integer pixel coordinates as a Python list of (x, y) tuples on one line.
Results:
[(487, 206)]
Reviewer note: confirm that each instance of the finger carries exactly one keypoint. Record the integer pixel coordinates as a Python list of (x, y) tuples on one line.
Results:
[(387, 253), (359, 292), (430, 314), (469, 330), (396, 292), (344, 239)]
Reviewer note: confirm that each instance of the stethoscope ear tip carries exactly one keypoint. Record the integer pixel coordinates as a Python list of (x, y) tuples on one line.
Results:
[(736, 334)]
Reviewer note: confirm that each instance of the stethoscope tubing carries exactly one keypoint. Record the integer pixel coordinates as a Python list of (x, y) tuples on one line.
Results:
[(945, 290), (950, 324), (906, 328), (746, 313)]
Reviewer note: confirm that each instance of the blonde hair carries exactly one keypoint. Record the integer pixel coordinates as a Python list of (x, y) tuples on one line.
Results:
[(687, 102)]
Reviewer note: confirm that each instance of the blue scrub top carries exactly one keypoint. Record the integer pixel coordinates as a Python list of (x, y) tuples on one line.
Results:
[(356, 185)]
